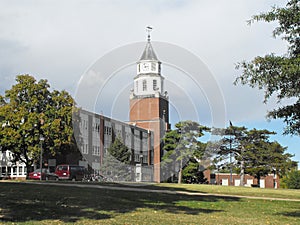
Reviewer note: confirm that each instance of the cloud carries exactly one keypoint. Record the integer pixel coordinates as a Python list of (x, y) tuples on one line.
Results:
[(60, 40)]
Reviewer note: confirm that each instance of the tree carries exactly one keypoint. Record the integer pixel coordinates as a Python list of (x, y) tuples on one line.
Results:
[(253, 153), (29, 112), (192, 171), (182, 147), (116, 161), (292, 180), (231, 146), (279, 75)]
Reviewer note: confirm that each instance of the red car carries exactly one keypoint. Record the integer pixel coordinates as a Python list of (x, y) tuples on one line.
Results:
[(46, 175)]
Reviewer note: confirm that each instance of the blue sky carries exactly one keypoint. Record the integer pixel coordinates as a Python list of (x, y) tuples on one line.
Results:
[(61, 40)]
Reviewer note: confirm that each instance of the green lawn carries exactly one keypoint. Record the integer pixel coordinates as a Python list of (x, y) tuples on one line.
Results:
[(25, 203), (242, 191)]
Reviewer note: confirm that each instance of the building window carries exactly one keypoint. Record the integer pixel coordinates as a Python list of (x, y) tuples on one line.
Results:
[(96, 150), (136, 86), (20, 170), (107, 130), (144, 85), (154, 85), (136, 157)]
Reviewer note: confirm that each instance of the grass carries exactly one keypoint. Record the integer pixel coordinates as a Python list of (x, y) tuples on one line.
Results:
[(241, 191), (212, 189), (26, 203)]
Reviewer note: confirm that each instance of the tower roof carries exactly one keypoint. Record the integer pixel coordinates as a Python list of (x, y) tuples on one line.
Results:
[(148, 53)]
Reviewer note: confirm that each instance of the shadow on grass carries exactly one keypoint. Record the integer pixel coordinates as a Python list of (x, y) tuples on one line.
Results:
[(136, 185), (22, 202), (290, 214)]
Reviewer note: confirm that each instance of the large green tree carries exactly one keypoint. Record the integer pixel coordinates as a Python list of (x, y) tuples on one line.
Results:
[(31, 116), (279, 74), (183, 150), (252, 152), (230, 149)]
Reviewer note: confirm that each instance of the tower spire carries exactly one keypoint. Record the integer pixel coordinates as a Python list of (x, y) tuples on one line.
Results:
[(149, 29)]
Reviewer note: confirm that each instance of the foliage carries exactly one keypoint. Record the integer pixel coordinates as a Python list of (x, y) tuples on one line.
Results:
[(292, 180), (119, 151), (279, 75), (116, 161), (29, 112), (184, 151), (252, 152)]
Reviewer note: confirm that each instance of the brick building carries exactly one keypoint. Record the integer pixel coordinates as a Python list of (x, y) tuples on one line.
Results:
[(270, 181), (149, 102)]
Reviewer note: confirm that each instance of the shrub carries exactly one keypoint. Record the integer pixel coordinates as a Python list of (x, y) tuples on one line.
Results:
[(292, 180)]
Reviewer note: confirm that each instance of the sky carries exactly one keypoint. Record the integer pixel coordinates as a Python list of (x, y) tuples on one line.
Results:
[(90, 48)]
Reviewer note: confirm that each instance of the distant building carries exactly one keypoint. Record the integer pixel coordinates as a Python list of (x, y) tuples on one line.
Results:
[(270, 181), (9, 169)]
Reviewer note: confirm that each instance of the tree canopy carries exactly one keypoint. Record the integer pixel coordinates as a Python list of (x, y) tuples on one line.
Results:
[(279, 74), (183, 150), (29, 113), (291, 180), (252, 152), (116, 161)]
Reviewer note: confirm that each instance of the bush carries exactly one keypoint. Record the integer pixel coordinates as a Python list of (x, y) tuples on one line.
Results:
[(292, 180)]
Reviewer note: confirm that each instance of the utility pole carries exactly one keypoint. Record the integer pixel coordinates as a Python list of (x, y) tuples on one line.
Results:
[(230, 153), (41, 157)]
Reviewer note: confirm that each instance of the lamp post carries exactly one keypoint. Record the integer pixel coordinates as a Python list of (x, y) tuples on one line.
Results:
[(41, 157), (141, 160)]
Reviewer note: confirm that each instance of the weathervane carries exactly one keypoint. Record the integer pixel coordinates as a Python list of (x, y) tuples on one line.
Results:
[(149, 29)]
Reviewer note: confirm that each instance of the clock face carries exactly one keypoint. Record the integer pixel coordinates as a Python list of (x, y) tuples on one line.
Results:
[(145, 66)]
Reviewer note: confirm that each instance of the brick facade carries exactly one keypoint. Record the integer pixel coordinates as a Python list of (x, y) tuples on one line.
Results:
[(152, 113), (270, 181)]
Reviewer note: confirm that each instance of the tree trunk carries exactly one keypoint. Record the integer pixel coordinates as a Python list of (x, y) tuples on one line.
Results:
[(180, 173), (179, 176), (258, 181), (242, 174), (28, 168)]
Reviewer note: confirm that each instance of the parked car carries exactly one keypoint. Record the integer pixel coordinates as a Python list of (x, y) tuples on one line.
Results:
[(46, 175), (70, 172)]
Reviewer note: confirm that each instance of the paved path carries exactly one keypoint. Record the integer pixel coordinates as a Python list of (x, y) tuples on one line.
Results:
[(140, 189)]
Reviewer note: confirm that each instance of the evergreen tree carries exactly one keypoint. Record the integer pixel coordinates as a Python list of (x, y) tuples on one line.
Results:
[(116, 162), (182, 148), (252, 152)]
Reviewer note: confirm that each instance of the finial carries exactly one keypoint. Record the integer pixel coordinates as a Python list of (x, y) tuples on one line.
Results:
[(149, 29)]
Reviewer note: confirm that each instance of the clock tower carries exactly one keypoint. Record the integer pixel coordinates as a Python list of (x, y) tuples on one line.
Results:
[(149, 102)]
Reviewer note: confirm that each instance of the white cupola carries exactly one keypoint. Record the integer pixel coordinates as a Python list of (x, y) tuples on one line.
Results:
[(148, 82)]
